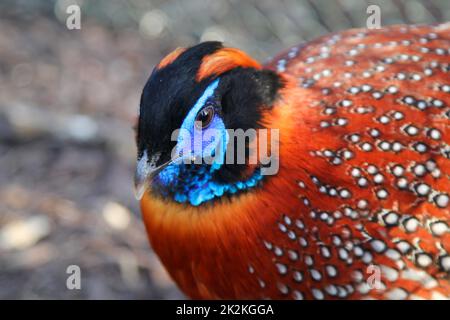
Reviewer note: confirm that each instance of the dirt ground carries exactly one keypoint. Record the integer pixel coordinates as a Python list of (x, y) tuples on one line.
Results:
[(68, 100)]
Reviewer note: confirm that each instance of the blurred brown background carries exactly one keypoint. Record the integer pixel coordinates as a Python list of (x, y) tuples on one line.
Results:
[(68, 99)]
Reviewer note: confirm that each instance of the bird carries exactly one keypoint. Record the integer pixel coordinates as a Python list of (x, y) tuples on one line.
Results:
[(358, 204)]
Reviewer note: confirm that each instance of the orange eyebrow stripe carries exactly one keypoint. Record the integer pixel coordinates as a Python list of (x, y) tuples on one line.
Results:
[(171, 57), (223, 61)]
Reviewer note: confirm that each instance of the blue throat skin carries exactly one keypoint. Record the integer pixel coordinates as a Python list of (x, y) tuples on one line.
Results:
[(197, 186)]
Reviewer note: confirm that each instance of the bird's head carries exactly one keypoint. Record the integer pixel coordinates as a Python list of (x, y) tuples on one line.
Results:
[(191, 101)]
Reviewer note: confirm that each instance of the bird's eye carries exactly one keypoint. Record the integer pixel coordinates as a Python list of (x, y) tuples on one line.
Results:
[(204, 117)]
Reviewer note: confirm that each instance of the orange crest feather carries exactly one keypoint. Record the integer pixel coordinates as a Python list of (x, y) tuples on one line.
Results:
[(223, 61), (171, 57)]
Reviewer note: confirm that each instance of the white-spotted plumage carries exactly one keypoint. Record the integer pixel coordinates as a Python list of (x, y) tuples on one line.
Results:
[(391, 108)]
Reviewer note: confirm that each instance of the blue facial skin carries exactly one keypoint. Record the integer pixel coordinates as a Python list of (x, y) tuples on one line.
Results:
[(193, 141), (194, 183)]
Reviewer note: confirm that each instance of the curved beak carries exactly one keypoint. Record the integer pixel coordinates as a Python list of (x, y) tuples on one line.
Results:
[(146, 171)]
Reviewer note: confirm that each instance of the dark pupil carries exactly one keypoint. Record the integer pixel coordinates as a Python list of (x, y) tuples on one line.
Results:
[(205, 116)]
